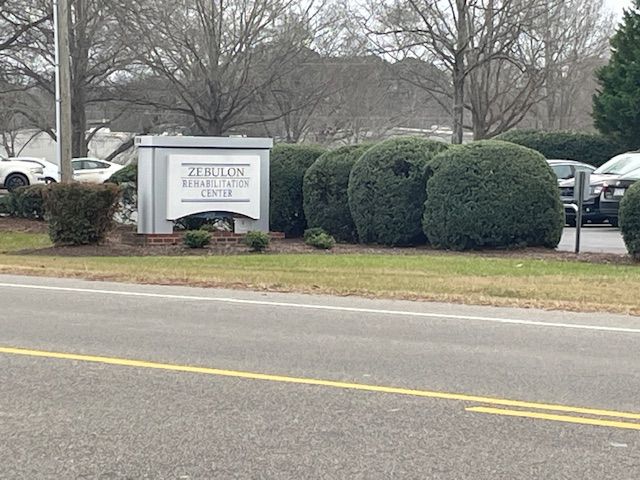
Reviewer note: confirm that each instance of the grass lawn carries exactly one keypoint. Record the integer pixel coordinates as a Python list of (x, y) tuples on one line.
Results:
[(13, 241), (464, 278)]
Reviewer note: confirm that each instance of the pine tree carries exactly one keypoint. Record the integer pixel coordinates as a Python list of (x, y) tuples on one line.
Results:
[(616, 105)]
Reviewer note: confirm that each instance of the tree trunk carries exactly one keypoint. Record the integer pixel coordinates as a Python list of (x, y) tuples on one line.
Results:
[(79, 147), (80, 65), (462, 43), (458, 104)]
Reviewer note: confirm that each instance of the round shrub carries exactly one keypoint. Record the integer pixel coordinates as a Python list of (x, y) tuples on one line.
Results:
[(321, 240), (288, 166), (630, 220), (492, 194), (326, 203), (387, 190), (584, 147), (80, 213), (197, 238), (257, 241)]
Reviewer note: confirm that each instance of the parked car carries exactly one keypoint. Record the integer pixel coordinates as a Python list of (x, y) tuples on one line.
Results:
[(15, 174), (566, 169), (51, 172), (613, 193), (93, 170), (89, 170), (608, 174)]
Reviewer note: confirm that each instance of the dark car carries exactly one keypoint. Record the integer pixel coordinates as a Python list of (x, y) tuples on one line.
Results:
[(608, 174), (566, 169), (613, 193)]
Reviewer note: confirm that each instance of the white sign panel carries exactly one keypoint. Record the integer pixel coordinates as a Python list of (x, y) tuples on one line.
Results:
[(216, 183)]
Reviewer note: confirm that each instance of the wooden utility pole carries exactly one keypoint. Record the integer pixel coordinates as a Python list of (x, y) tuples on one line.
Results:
[(63, 89)]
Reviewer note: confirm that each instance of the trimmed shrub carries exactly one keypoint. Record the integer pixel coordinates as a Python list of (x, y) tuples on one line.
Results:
[(288, 166), (322, 241), (257, 241), (312, 232), (197, 238), (28, 202), (584, 147), (387, 190), (492, 194), (630, 220), (80, 213), (326, 203), (128, 174)]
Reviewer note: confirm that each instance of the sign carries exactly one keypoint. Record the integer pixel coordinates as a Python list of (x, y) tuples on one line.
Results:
[(213, 183)]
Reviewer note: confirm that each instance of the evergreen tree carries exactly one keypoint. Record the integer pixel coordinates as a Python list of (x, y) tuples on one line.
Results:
[(616, 105)]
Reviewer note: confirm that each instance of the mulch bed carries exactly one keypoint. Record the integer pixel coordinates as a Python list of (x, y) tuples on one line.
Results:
[(113, 247)]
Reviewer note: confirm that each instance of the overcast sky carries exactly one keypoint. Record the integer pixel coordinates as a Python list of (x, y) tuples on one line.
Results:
[(617, 5)]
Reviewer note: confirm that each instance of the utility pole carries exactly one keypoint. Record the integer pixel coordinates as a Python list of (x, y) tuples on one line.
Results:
[(63, 88)]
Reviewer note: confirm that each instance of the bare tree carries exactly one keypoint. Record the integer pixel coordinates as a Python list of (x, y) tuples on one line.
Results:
[(17, 18), (97, 58), (574, 35), (216, 57), (457, 36)]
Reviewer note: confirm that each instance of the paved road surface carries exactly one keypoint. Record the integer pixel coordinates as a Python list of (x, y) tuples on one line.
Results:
[(98, 381), (594, 239)]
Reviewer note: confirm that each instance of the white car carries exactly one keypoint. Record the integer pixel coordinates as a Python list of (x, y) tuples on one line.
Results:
[(93, 170), (15, 174), (87, 170), (51, 172)]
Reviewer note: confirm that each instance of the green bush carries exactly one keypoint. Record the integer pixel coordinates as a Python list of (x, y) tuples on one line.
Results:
[(312, 232), (584, 147), (128, 174), (492, 194), (28, 202), (322, 241), (326, 203), (127, 178), (80, 213), (387, 190), (630, 220), (197, 238), (288, 166), (257, 241)]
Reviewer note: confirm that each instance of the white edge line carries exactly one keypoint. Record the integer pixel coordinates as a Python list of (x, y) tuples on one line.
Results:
[(510, 321)]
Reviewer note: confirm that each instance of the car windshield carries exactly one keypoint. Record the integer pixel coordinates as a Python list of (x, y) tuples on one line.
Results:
[(620, 165), (634, 175)]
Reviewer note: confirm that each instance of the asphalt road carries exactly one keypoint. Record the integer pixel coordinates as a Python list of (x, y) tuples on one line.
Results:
[(112, 381), (594, 239)]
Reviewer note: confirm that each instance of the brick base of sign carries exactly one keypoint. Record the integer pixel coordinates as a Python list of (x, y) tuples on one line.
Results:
[(169, 239)]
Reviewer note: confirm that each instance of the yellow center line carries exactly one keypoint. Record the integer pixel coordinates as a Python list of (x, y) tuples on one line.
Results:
[(318, 382), (554, 418)]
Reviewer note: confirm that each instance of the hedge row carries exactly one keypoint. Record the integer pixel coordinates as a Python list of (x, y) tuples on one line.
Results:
[(589, 148), (407, 191)]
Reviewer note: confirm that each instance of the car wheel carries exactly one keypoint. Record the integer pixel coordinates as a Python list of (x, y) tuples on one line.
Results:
[(50, 180), (15, 180), (614, 222)]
